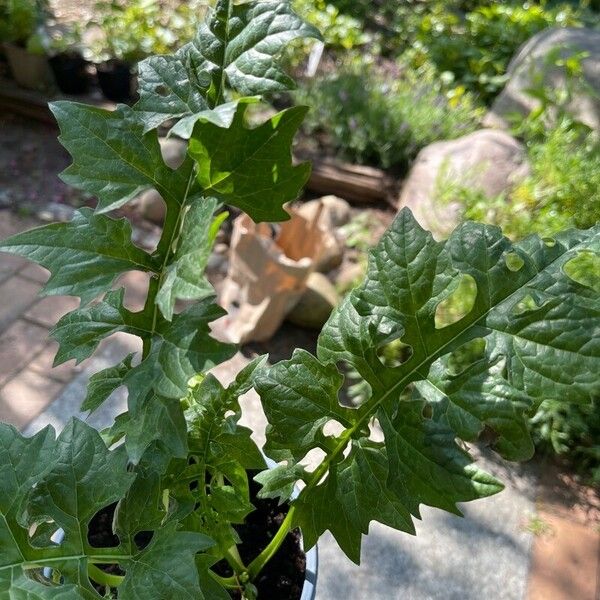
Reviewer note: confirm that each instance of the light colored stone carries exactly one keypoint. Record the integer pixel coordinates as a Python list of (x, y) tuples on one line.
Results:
[(533, 64), (35, 272), (336, 212), (315, 305), (489, 161), (10, 265), (173, 151)]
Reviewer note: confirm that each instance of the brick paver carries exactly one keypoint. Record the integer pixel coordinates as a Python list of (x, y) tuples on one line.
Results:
[(16, 296), (49, 310), (19, 345), (43, 364), (26, 396)]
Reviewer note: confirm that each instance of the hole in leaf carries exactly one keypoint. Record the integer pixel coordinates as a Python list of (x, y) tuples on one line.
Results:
[(427, 411), (585, 270), (333, 428), (100, 531), (355, 390), (313, 459), (142, 539), (136, 289), (43, 534), (162, 90), (458, 305), (550, 242), (526, 304), (466, 355), (376, 432), (514, 262), (394, 353)]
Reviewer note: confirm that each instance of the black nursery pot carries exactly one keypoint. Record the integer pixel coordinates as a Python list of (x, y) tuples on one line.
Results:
[(114, 79), (70, 73)]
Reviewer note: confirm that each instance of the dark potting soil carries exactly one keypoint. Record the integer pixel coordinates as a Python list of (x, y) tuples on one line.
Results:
[(281, 579), (283, 576)]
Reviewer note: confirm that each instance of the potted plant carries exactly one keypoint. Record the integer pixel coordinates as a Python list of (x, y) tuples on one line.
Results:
[(24, 38), (68, 64), (174, 500), (128, 32)]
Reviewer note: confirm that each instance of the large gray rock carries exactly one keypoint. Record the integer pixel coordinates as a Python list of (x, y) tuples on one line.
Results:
[(534, 63), (489, 161)]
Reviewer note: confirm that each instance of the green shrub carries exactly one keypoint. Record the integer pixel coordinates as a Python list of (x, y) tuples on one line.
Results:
[(572, 431), (19, 19), (477, 47), (385, 120), (339, 30)]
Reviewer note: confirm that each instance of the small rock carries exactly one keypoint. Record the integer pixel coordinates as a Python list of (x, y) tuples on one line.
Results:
[(316, 304), (336, 212), (53, 211), (173, 151), (489, 161)]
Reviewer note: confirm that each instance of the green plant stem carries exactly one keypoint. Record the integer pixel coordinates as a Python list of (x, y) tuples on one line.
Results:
[(233, 557), (103, 578), (166, 248), (258, 564)]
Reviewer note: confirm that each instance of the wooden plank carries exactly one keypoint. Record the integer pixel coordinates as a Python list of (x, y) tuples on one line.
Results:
[(355, 183), (34, 104)]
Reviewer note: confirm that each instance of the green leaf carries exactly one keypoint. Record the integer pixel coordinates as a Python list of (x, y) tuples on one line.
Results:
[(355, 490), (183, 348), (238, 45), (21, 587), (213, 415), (550, 350), (297, 412), (67, 481), (84, 256), (104, 383), (23, 461), (80, 331), (251, 168), (113, 158), (184, 277), (167, 568)]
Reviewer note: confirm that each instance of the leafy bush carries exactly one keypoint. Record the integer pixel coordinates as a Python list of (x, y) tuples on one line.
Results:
[(477, 47), (339, 30), (385, 119), (177, 463), (570, 430), (20, 19), (133, 30)]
